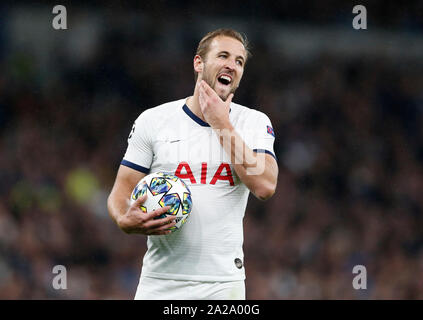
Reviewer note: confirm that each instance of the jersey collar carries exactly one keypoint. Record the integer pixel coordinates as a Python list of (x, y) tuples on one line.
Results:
[(194, 117)]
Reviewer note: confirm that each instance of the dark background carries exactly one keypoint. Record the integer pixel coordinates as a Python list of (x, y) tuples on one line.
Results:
[(346, 106)]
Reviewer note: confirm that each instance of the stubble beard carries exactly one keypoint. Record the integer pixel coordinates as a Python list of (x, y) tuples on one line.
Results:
[(212, 82)]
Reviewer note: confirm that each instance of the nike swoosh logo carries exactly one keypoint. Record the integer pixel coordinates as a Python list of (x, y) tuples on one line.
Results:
[(174, 141)]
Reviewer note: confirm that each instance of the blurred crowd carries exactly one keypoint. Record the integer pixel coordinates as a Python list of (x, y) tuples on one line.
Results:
[(349, 143)]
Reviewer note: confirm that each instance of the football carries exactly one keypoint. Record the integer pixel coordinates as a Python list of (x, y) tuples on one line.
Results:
[(162, 190)]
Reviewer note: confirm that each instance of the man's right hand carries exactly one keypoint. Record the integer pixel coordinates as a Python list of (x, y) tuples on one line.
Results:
[(136, 221)]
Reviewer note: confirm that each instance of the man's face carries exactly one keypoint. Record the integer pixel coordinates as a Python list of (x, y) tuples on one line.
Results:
[(224, 65)]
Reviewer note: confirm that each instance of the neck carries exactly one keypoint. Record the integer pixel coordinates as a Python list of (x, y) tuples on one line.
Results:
[(194, 104)]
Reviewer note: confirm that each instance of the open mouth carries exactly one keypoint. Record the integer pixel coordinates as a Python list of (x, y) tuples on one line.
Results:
[(225, 79)]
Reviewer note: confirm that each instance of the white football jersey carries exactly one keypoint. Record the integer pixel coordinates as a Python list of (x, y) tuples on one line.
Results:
[(170, 138)]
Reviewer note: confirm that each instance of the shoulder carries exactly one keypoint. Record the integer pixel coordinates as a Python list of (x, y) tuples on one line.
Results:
[(163, 111), (244, 113)]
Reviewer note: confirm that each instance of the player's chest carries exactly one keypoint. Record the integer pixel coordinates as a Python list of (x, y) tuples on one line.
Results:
[(196, 156), (195, 146)]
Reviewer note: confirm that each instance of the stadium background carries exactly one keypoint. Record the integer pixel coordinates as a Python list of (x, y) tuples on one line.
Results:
[(346, 106)]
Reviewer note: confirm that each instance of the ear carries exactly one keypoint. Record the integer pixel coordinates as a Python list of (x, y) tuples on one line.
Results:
[(198, 64)]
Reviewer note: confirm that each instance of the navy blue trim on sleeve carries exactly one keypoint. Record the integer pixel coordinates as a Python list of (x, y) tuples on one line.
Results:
[(265, 151), (135, 166)]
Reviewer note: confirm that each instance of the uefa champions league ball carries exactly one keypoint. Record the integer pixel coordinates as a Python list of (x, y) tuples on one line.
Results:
[(162, 190)]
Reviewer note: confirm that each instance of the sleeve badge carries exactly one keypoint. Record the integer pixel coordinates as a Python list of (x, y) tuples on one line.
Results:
[(270, 131)]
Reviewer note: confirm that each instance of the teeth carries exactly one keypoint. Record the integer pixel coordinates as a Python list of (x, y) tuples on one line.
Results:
[(226, 79)]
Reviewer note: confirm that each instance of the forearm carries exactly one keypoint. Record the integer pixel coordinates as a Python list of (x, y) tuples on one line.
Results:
[(117, 204), (256, 170), (119, 199)]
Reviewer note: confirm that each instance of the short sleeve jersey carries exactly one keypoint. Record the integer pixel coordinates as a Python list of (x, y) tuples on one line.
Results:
[(170, 138)]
